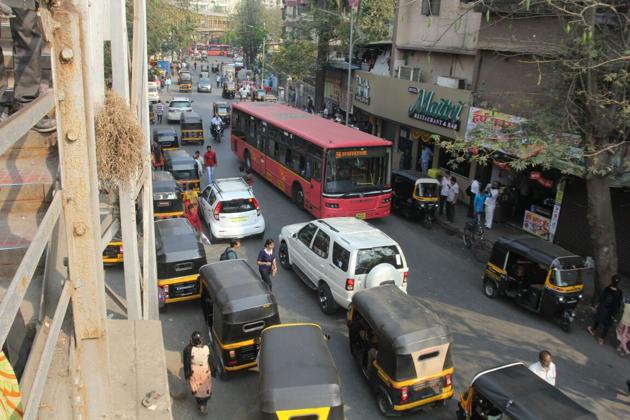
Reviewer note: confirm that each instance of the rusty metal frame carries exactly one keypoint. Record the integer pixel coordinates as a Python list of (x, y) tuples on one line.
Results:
[(13, 128)]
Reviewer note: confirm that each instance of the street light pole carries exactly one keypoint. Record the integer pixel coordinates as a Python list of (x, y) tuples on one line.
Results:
[(348, 88), (262, 71)]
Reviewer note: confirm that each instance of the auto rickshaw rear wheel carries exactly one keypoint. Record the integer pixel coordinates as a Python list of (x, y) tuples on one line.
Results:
[(384, 405), (490, 289)]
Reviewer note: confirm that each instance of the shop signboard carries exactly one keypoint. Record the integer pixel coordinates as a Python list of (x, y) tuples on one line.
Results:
[(434, 109), (443, 112), (493, 120), (536, 224)]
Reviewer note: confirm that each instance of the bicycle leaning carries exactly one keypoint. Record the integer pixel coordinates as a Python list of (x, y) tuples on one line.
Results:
[(475, 240)]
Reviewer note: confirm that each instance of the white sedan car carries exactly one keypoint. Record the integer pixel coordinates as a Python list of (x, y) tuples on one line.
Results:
[(176, 107), (230, 210)]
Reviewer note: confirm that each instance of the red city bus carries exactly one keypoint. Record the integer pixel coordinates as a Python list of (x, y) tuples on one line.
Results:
[(215, 50), (326, 168)]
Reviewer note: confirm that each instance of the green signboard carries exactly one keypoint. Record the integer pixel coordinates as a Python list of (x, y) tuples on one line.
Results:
[(443, 113)]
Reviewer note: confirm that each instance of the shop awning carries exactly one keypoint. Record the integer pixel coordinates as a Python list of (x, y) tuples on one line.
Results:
[(341, 65)]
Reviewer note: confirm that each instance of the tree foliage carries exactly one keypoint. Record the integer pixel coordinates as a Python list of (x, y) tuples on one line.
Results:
[(295, 58), (375, 20), (249, 29), (170, 25)]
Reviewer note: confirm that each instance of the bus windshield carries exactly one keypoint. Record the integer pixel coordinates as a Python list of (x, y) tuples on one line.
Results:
[(356, 170)]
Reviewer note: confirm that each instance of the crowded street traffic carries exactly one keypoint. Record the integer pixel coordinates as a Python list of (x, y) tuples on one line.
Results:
[(442, 273)]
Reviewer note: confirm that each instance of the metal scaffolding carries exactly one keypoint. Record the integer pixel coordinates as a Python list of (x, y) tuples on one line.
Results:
[(73, 233)]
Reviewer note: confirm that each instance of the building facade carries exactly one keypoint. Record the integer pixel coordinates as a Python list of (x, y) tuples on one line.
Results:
[(453, 66)]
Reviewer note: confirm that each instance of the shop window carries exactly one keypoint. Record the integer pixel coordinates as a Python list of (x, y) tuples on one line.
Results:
[(448, 162)]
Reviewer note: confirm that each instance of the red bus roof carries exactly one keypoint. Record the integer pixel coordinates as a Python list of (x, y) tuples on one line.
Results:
[(320, 131)]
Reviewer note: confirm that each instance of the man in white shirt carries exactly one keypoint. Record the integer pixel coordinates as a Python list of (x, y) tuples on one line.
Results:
[(451, 199), (475, 186), (492, 192), (545, 368), (444, 183)]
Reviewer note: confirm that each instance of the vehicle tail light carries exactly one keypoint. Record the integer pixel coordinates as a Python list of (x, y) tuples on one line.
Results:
[(332, 205), (255, 203), (217, 210), (387, 200), (404, 395), (232, 354), (120, 249), (349, 284), (448, 380), (405, 277)]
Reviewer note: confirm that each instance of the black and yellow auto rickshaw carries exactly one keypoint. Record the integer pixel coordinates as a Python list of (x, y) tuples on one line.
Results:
[(415, 196), (184, 169), (166, 138), (167, 196), (185, 81), (298, 378), (538, 275), (402, 348), (113, 253), (191, 128), (179, 255), (229, 90), (237, 306), (222, 109), (514, 392)]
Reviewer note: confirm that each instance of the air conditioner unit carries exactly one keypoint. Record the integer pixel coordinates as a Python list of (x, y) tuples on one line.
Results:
[(451, 82)]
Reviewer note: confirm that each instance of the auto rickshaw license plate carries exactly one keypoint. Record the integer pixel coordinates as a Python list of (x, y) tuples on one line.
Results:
[(360, 215), (163, 203), (428, 388)]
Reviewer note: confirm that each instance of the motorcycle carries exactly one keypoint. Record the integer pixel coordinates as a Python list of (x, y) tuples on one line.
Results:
[(217, 132)]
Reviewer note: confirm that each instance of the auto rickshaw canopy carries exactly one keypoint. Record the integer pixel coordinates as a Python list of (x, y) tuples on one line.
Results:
[(163, 182), (296, 369), (400, 321), (539, 251), (179, 160), (522, 395), (190, 118), (238, 291)]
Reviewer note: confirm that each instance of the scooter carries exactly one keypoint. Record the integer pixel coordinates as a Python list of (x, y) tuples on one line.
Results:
[(217, 133)]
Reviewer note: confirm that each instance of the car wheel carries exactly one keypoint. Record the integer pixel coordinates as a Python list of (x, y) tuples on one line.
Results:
[(326, 301), (283, 255), (490, 289), (384, 406), (298, 196)]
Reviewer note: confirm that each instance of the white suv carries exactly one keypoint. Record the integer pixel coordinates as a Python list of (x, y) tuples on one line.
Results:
[(340, 255), (230, 209), (176, 107)]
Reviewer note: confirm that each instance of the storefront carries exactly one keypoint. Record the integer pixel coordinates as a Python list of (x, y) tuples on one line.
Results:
[(417, 113)]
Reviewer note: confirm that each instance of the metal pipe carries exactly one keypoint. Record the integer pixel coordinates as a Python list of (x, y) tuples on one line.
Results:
[(349, 67)]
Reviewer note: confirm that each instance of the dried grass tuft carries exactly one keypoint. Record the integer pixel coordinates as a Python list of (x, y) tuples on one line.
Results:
[(120, 145)]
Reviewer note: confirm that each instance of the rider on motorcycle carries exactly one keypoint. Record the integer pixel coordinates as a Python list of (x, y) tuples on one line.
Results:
[(216, 125)]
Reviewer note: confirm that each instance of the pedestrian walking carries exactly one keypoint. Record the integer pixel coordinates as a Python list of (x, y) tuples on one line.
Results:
[(159, 111), (444, 184), (230, 252), (266, 262), (192, 215), (27, 52), (168, 83), (609, 304), (195, 65), (425, 159), (472, 192), (451, 199), (198, 370), (198, 163), (623, 329), (480, 199), (210, 160), (545, 368), (310, 107), (491, 202)]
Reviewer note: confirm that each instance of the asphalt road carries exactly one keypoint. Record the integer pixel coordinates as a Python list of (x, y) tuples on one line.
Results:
[(486, 333)]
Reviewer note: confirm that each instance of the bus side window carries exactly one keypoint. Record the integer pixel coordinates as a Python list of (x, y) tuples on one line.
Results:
[(252, 132), (314, 166)]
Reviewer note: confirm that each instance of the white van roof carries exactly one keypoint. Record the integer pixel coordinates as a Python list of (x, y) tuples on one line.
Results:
[(356, 233)]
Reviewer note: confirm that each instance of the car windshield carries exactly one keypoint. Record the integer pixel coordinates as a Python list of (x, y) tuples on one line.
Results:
[(185, 76), (566, 278), (179, 104), (237, 206), (371, 257), (356, 170), (184, 174), (204, 81)]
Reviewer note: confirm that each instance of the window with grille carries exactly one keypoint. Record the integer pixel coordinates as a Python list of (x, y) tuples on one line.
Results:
[(431, 7)]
